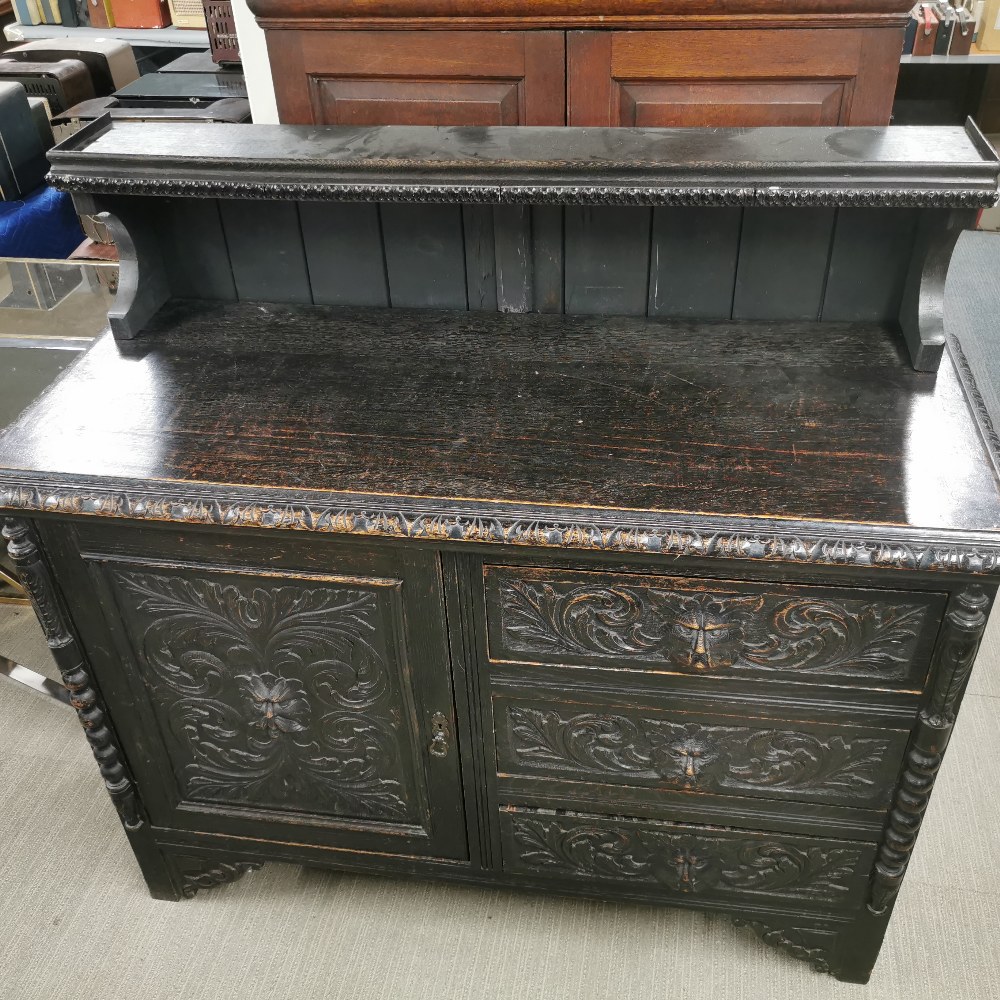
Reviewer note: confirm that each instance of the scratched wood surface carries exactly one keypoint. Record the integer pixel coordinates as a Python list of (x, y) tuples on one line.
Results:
[(790, 420)]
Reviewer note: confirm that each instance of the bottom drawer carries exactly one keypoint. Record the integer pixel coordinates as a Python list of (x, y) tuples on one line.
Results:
[(710, 863)]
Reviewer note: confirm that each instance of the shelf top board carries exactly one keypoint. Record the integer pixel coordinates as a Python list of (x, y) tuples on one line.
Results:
[(283, 10), (794, 442), (913, 166)]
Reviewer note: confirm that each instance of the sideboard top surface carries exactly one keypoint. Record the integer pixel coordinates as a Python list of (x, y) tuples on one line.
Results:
[(905, 165), (300, 410)]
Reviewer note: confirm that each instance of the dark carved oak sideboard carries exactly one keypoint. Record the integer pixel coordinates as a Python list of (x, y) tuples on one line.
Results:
[(608, 512)]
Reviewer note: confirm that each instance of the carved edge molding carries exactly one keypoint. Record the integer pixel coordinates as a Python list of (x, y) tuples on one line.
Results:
[(201, 873), (965, 624), (817, 544), (804, 943), (37, 581), (536, 194), (981, 413)]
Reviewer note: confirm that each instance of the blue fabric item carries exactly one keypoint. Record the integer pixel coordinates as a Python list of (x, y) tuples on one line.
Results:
[(42, 224)]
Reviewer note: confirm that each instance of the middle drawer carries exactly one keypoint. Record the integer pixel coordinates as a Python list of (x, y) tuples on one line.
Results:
[(647, 745)]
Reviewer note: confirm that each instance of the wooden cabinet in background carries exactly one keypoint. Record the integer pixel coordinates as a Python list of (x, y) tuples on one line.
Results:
[(716, 78), (578, 62), (418, 78)]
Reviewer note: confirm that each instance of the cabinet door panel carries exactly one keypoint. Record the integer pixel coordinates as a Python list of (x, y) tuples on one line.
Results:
[(741, 77), (722, 104), (420, 78), (297, 702)]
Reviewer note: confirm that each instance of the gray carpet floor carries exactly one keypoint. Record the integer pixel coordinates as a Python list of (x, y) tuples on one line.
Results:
[(76, 920)]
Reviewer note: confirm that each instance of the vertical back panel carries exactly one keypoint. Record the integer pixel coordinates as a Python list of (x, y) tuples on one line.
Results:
[(480, 258), (265, 247), (784, 253), (343, 246), (692, 267), (514, 256), (425, 255), (871, 253), (607, 260), (547, 251), (195, 253)]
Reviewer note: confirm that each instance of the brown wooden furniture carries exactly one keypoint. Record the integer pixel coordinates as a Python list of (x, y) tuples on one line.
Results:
[(580, 62)]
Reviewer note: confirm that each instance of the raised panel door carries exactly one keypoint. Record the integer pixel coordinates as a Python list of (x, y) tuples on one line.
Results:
[(717, 78), (419, 78)]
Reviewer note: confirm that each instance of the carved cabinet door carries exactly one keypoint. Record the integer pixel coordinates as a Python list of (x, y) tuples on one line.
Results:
[(289, 691)]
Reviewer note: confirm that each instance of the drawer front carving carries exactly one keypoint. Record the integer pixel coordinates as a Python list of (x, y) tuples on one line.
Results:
[(687, 860), (711, 627), (652, 749)]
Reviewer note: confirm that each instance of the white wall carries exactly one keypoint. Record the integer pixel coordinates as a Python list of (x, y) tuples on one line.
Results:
[(256, 68)]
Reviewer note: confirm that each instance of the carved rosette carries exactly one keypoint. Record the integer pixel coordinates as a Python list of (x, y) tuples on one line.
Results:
[(956, 652), (37, 580), (698, 757)]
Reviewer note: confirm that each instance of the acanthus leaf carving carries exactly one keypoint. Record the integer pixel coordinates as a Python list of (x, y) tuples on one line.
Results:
[(711, 631), (695, 756), (685, 862), (275, 694)]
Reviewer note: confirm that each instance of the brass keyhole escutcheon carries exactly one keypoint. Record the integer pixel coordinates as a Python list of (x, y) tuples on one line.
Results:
[(440, 735)]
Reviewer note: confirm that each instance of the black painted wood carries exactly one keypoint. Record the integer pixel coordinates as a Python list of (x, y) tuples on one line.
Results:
[(195, 252), (480, 257), (424, 255), (549, 254), (868, 263), (344, 254), (607, 260), (467, 589), (266, 251), (783, 261), (693, 258), (829, 166), (514, 260)]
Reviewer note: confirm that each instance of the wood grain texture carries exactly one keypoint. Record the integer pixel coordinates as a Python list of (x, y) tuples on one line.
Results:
[(830, 423), (751, 77), (361, 78)]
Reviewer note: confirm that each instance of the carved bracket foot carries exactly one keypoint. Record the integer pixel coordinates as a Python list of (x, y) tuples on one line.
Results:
[(808, 944), (206, 873)]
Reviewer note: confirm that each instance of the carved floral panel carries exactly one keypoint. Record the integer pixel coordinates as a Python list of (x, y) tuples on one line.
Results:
[(704, 628), (685, 860), (783, 761), (274, 693)]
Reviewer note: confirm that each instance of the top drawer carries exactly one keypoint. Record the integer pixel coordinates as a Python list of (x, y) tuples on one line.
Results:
[(878, 639)]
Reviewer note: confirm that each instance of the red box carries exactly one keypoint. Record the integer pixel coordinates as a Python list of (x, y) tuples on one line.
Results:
[(141, 13)]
